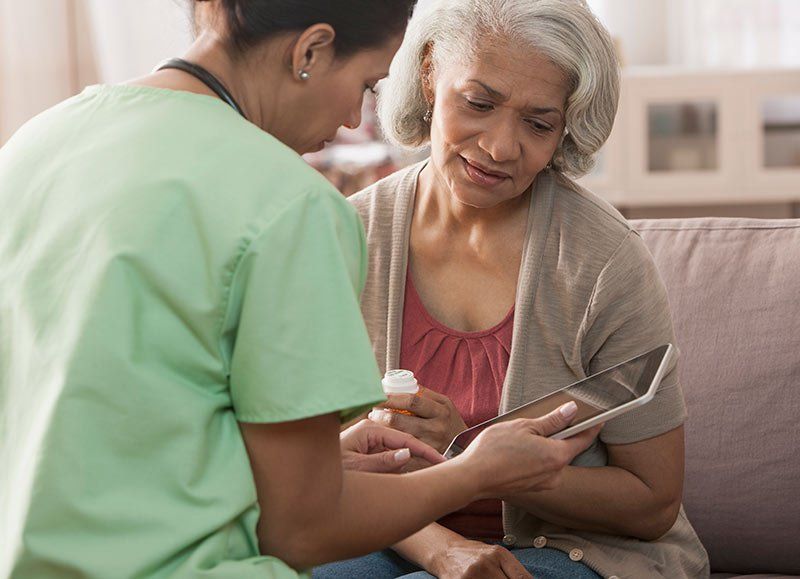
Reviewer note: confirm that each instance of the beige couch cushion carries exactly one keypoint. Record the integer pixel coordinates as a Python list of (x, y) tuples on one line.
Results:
[(734, 288)]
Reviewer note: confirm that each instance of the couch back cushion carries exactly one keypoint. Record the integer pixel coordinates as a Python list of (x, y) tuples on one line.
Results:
[(734, 289)]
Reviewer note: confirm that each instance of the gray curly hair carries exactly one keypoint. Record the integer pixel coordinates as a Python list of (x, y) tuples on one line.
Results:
[(564, 31)]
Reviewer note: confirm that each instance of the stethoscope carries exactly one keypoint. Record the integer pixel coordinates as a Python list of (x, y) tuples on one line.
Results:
[(205, 77)]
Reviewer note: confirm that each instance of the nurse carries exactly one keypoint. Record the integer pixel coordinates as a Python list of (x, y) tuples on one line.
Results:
[(180, 333)]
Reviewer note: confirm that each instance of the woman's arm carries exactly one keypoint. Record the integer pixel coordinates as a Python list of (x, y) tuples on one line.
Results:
[(638, 494), (422, 547), (446, 554), (313, 512)]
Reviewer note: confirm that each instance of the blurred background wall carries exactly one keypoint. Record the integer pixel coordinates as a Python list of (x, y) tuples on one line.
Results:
[(51, 49)]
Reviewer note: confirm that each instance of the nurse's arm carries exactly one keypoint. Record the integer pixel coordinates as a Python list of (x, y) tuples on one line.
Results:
[(313, 512)]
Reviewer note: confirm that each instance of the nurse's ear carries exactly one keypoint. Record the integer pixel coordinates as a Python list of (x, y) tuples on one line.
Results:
[(312, 50)]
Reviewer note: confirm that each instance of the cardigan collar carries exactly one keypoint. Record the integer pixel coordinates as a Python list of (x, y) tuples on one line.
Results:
[(540, 212)]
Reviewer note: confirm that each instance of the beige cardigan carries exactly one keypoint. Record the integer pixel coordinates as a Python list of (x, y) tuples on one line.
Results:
[(588, 297)]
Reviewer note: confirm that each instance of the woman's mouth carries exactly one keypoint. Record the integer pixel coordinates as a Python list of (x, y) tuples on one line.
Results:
[(481, 176)]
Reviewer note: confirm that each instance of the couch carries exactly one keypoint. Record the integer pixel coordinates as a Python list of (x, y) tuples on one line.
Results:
[(734, 289)]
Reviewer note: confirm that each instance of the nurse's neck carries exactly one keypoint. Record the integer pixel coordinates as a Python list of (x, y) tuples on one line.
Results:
[(244, 77)]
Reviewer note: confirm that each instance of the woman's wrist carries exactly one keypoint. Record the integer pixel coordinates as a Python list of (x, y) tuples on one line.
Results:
[(429, 547), (434, 559)]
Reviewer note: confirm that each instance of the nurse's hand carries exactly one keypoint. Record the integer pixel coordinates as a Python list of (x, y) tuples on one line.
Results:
[(517, 457), (436, 420), (370, 447)]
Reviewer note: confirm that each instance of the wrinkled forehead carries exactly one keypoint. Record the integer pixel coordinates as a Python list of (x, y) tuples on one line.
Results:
[(507, 71)]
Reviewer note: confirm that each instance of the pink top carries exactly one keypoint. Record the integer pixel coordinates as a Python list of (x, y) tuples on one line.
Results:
[(469, 368)]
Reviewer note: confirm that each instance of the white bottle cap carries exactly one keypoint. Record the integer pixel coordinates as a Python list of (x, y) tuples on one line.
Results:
[(400, 382)]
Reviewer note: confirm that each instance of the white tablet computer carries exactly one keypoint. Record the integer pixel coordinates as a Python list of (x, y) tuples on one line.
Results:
[(599, 397)]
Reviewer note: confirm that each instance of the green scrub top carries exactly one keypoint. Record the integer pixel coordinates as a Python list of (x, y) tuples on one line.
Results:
[(167, 270)]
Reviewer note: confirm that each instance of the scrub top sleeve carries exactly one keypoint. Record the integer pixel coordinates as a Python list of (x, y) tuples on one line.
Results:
[(301, 347)]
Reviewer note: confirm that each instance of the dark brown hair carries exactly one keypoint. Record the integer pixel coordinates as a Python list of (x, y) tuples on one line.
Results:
[(359, 24)]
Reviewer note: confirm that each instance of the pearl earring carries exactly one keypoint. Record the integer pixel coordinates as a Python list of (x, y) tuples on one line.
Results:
[(303, 75), (428, 116)]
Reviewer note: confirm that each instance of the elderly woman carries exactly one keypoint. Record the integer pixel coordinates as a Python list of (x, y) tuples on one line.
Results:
[(497, 279)]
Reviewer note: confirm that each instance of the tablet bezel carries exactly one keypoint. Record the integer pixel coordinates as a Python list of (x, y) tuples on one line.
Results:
[(454, 450)]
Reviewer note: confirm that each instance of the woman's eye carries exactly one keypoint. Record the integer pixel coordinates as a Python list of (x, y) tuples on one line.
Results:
[(478, 106), (540, 127)]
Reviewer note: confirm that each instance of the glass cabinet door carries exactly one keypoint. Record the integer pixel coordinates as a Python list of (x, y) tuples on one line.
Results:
[(682, 137), (780, 122)]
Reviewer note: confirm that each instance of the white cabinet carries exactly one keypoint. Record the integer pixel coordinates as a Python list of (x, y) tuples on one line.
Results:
[(687, 138)]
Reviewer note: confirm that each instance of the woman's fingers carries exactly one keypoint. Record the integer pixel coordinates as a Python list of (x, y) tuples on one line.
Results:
[(512, 568), (421, 406), (410, 424)]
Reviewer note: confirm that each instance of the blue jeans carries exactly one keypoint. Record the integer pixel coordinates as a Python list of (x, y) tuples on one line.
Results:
[(541, 563)]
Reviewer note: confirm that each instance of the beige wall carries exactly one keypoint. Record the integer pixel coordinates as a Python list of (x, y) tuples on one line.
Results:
[(51, 49), (45, 57), (132, 37)]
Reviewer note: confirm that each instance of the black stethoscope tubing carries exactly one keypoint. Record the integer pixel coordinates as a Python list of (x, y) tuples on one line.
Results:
[(206, 78)]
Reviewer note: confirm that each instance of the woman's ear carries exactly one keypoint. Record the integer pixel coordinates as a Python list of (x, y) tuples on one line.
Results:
[(426, 70), (312, 49)]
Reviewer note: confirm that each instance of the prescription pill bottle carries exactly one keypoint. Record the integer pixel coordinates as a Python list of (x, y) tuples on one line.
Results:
[(400, 382)]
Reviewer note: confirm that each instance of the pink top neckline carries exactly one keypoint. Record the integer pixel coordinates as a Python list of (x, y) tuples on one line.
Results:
[(469, 368), (414, 295)]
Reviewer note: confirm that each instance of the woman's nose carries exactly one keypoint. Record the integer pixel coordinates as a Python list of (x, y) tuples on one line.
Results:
[(501, 141)]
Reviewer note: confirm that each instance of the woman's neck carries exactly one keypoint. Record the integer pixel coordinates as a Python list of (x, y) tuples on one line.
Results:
[(436, 206)]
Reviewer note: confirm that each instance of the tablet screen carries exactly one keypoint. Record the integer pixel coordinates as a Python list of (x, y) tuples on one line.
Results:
[(594, 395)]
